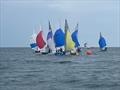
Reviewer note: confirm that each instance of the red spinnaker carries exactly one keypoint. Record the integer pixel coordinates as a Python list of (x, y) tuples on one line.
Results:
[(39, 39)]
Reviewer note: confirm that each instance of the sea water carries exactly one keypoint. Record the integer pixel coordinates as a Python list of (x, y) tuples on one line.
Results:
[(22, 69)]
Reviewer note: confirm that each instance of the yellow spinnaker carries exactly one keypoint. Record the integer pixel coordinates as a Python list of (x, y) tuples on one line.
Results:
[(69, 43)]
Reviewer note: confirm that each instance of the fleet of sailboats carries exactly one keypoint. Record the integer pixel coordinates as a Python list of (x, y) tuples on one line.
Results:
[(61, 42)]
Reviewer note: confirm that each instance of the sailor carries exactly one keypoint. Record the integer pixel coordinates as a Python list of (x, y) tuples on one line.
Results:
[(104, 49), (78, 50), (61, 50), (37, 50), (48, 50), (73, 52)]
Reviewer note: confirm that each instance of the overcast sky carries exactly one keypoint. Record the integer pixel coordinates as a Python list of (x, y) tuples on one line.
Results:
[(19, 18)]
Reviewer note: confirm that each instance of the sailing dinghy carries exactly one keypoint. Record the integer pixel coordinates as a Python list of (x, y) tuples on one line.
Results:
[(41, 43), (50, 41), (75, 40), (59, 37), (69, 44), (33, 43), (102, 43)]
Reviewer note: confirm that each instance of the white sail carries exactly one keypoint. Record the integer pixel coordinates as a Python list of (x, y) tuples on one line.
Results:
[(51, 45), (50, 41), (33, 42), (34, 37)]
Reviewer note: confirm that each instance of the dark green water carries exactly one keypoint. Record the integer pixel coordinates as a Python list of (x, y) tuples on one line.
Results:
[(21, 69)]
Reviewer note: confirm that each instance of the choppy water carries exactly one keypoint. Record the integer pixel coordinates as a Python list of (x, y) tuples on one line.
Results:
[(21, 69)]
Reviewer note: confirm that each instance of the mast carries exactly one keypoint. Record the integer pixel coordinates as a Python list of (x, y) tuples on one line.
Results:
[(60, 23), (66, 27), (76, 27), (50, 26), (100, 34)]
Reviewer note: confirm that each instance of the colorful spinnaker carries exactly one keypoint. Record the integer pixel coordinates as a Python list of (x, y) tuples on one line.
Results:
[(75, 37), (59, 37), (50, 40), (40, 41), (69, 44), (102, 42)]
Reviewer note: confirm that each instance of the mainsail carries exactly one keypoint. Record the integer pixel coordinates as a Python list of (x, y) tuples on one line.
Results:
[(69, 44), (102, 41), (59, 38), (39, 39), (50, 41), (75, 37)]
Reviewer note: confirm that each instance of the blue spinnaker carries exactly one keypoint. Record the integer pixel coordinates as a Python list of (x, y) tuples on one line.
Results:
[(102, 42), (59, 38), (75, 38)]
